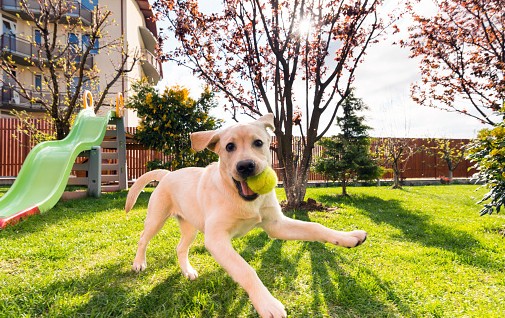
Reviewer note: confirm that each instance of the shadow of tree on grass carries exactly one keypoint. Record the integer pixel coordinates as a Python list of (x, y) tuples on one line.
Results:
[(347, 295), (110, 289), (80, 209), (419, 227)]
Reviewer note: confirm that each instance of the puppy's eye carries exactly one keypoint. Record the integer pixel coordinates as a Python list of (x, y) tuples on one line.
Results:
[(230, 147), (258, 143)]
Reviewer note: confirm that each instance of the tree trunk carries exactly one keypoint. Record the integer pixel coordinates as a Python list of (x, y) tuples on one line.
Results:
[(295, 187), (396, 178), (344, 187), (62, 129), (294, 171), (450, 176)]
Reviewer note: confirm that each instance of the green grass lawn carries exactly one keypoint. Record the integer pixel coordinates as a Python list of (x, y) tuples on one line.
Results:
[(428, 254)]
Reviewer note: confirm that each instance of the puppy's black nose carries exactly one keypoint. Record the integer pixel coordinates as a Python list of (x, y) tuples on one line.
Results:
[(245, 168)]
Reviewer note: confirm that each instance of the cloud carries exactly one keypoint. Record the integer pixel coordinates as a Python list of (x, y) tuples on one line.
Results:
[(383, 81)]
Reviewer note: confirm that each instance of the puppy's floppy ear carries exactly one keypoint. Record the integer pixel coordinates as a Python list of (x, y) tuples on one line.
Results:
[(267, 121), (204, 139)]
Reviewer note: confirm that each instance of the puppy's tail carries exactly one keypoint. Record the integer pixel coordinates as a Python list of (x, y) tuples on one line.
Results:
[(136, 188)]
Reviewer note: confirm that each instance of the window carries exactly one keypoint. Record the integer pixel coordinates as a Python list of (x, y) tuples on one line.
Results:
[(9, 34), (37, 37), (73, 41), (9, 80), (85, 85), (94, 50), (38, 83), (89, 4), (8, 26), (73, 46), (9, 93), (86, 42)]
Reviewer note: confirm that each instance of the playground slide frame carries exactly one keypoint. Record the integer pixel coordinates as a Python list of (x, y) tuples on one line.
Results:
[(45, 171)]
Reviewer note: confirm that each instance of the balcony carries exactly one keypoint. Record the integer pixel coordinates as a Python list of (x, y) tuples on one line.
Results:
[(151, 66), (26, 53), (22, 52), (76, 11), (10, 99), (150, 42)]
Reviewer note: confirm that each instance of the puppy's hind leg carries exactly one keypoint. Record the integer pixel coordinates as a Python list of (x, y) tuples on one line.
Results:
[(157, 214), (188, 234)]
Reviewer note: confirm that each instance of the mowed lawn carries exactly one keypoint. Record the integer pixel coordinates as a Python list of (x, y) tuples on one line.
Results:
[(428, 254)]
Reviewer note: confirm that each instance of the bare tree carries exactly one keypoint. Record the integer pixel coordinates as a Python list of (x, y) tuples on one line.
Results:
[(451, 152), (394, 153)]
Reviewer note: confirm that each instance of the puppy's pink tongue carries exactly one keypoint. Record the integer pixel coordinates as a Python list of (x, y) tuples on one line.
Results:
[(245, 189)]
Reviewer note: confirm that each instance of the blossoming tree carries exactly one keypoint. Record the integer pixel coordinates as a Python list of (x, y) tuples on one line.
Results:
[(289, 58), (462, 57)]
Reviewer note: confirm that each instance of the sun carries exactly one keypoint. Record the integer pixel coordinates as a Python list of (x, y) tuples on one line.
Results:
[(304, 27)]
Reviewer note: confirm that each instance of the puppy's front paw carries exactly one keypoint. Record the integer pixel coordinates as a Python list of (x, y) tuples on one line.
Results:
[(190, 273), (349, 239), (359, 236), (139, 266), (270, 307)]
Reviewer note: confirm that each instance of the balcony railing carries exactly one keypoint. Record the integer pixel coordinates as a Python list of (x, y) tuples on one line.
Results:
[(22, 51), (151, 65), (11, 99), (76, 11), (26, 53)]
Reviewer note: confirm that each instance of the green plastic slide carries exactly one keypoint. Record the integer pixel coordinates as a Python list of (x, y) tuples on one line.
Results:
[(45, 171)]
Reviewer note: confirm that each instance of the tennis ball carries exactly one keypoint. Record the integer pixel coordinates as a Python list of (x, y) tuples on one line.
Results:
[(264, 182)]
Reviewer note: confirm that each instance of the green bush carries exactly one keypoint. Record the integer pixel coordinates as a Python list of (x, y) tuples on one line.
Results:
[(488, 153), (168, 118)]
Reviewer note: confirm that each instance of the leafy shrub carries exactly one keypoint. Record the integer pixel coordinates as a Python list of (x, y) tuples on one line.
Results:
[(488, 153)]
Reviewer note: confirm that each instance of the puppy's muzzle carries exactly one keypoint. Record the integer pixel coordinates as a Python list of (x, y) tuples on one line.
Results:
[(246, 168)]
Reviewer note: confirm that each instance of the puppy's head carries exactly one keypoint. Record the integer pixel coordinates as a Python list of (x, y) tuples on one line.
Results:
[(243, 149)]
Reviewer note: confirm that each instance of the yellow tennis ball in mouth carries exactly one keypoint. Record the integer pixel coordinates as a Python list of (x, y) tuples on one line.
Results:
[(264, 182)]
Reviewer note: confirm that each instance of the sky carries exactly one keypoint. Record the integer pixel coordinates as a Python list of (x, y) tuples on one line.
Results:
[(383, 81)]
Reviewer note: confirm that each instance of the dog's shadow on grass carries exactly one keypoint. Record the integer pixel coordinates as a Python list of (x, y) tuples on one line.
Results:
[(110, 292), (213, 294), (417, 227)]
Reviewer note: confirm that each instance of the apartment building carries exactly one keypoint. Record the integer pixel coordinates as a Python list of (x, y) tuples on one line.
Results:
[(130, 20)]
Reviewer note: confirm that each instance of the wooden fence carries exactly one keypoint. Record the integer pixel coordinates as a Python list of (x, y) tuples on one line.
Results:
[(15, 145), (423, 164)]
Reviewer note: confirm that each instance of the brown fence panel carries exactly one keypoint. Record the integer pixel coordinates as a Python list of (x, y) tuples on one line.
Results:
[(297, 150), (15, 145), (425, 163), (13, 151), (137, 156)]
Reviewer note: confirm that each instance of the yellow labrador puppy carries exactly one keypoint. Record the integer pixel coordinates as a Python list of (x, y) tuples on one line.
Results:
[(217, 202)]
